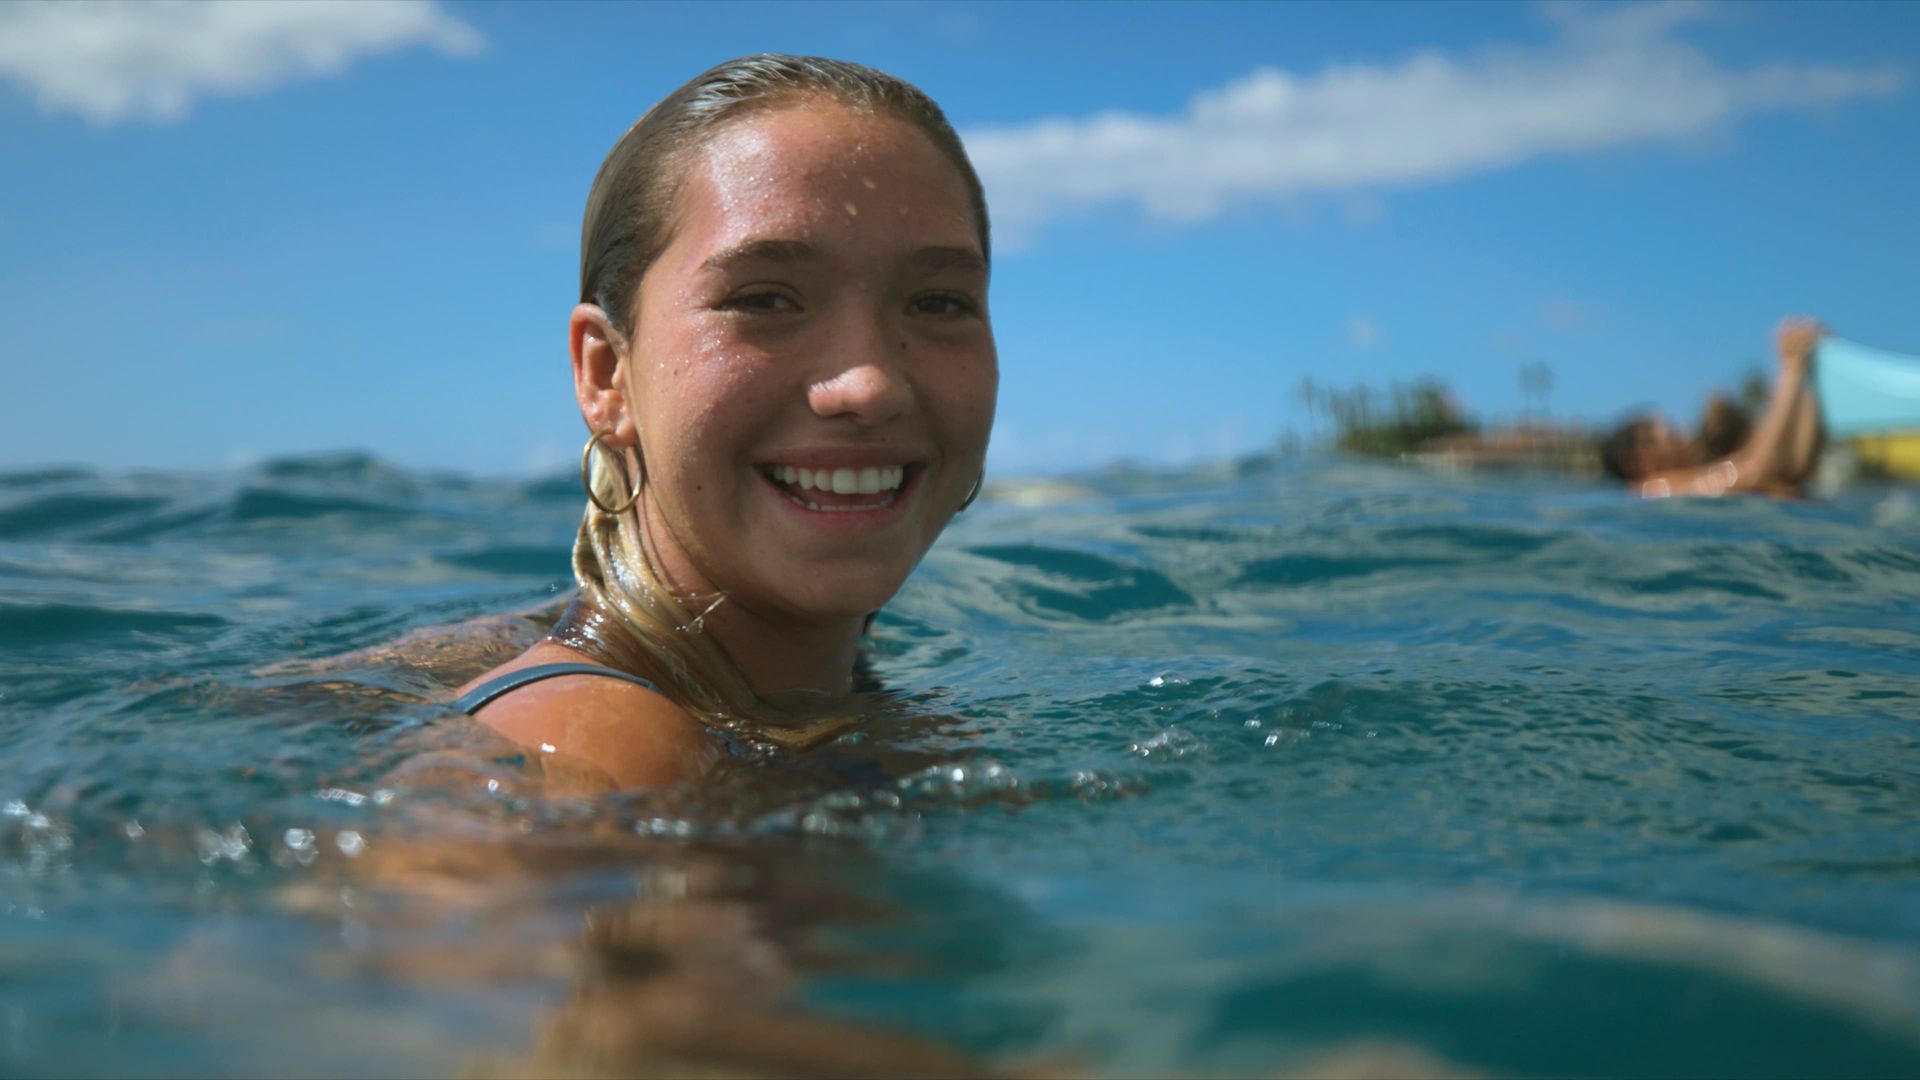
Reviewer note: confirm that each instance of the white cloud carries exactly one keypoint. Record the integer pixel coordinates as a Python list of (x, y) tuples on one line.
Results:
[(1364, 332), (1607, 78), (112, 61)]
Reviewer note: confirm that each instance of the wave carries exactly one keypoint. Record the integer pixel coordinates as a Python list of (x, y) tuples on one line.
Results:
[(76, 512), (30, 624)]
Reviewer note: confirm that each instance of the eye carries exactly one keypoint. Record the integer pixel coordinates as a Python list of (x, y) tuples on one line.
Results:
[(942, 304), (761, 301)]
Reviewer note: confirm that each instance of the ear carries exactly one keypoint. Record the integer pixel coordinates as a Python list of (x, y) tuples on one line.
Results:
[(600, 375)]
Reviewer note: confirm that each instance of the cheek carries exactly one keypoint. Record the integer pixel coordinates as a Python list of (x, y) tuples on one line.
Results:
[(967, 392), (690, 426), (705, 413)]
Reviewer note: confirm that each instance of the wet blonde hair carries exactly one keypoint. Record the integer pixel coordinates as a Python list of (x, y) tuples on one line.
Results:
[(624, 615)]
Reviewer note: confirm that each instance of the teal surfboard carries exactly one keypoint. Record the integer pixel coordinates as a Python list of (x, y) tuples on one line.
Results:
[(1865, 390)]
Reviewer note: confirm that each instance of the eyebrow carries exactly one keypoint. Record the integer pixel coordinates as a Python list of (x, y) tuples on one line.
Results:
[(779, 251), (927, 259), (935, 259)]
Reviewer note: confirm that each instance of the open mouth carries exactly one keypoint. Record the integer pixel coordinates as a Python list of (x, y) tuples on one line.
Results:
[(874, 487)]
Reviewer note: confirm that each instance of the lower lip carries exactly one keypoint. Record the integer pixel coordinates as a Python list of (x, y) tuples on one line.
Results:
[(870, 518)]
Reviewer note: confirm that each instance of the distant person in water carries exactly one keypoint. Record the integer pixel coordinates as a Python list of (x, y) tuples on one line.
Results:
[(783, 355), (1774, 457)]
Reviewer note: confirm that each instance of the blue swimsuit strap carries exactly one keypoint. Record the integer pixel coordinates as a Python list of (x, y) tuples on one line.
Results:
[(471, 701)]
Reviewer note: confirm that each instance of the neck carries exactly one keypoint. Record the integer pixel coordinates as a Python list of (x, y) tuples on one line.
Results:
[(777, 655), (774, 652)]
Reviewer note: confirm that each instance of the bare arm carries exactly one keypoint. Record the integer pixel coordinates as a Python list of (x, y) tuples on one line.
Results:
[(1785, 444)]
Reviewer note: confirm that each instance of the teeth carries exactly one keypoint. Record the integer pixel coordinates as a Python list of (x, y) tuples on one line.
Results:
[(871, 480)]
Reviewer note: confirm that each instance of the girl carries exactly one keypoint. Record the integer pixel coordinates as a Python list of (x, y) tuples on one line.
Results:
[(783, 354)]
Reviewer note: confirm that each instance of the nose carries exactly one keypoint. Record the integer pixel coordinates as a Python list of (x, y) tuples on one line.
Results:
[(864, 378)]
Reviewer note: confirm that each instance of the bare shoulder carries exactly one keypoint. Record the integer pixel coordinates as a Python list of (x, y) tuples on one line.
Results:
[(634, 735)]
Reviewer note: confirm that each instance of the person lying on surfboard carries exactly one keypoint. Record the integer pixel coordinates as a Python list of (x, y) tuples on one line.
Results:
[(1776, 457)]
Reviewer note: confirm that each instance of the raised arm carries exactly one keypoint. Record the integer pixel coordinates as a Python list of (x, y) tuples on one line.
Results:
[(1785, 445)]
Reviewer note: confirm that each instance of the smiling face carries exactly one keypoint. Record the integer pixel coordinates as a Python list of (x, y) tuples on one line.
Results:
[(811, 370)]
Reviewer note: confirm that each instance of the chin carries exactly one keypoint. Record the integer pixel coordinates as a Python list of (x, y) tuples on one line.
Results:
[(845, 594)]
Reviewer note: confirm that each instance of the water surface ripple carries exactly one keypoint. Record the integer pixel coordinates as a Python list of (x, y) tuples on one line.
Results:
[(1283, 767)]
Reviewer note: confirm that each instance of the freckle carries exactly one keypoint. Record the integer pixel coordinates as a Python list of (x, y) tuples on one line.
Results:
[(852, 210)]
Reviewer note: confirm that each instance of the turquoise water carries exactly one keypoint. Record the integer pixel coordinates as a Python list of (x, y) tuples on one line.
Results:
[(1262, 769)]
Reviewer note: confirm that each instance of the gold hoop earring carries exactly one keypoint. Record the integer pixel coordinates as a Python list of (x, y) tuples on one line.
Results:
[(972, 493), (586, 476)]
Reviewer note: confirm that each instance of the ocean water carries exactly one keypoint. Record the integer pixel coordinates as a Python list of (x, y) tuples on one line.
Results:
[(1283, 767)]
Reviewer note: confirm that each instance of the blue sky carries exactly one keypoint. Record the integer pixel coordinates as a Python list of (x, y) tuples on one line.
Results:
[(236, 231)]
